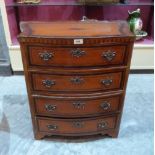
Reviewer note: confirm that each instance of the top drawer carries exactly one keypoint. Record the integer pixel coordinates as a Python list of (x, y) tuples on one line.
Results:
[(76, 57)]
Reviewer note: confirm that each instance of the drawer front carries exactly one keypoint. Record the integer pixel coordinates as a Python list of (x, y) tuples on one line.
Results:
[(71, 57), (59, 83), (77, 107), (76, 126)]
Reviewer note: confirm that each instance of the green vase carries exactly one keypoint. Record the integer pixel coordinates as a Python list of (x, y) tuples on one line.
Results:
[(135, 21)]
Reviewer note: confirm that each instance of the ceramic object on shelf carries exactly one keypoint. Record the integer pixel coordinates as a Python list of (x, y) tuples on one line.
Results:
[(134, 20), (28, 1), (85, 18), (98, 1), (136, 24), (140, 35)]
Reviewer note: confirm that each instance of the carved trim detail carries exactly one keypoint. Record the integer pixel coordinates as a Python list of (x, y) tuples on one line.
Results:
[(66, 42)]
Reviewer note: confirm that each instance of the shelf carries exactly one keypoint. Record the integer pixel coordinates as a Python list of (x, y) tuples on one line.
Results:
[(148, 41), (76, 3), (72, 10)]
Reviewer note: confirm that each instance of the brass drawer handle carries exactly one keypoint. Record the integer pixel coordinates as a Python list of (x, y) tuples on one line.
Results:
[(52, 127), (46, 55), (48, 83), (78, 124), (78, 105), (77, 52), (102, 125), (109, 55), (107, 82), (105, 105), (50, 107), (77, 80)]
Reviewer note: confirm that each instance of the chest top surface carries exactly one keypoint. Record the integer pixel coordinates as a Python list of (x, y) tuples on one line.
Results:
[(75, 29)]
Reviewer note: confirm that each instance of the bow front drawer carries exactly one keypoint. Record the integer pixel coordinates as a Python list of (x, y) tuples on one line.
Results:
[(77, 107), (60, 83), (76, 126), (74, 57)]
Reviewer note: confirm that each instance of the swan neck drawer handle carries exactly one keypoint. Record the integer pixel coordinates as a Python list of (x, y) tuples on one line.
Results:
[(52, 127), (109, 55), (107, 82), (46, 55), (78, 104), (78, 53), (48, 83), (78, 124), (50, 107), (102, 125), (105, 105), (77, 80)]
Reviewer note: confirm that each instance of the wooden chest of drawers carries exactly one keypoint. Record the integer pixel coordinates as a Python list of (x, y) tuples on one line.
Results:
[(76, 75)]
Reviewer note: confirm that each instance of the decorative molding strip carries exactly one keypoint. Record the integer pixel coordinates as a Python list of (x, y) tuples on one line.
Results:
[(69, 41)]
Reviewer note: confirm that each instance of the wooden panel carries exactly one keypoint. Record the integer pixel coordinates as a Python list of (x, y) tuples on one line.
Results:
[(75, 29), (77, 107), (58, 83), (75, 126), (70, 57)]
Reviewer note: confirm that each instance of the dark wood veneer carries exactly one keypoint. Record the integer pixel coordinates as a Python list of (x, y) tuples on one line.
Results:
[(76, 126), (76, 106), (76, 57), (77, 82), (76, 89)]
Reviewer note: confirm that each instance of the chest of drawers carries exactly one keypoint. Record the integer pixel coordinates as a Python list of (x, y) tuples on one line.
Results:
[(76, 76)]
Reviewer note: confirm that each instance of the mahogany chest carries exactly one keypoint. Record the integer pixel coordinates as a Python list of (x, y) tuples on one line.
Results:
[(76, 75)]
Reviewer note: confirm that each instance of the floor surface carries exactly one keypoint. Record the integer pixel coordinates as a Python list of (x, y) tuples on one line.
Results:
[(136, 131)]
